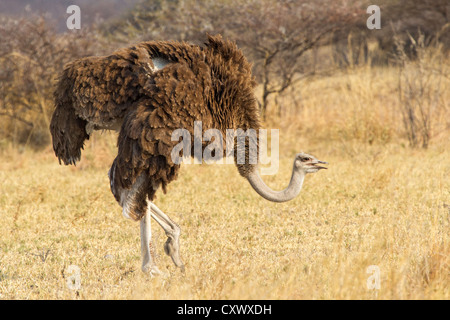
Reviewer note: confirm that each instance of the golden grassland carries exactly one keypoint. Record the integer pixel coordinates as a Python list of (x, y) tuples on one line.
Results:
[(380, 203)]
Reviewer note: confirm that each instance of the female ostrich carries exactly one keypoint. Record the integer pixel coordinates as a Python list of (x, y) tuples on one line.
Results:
[(146, 92)]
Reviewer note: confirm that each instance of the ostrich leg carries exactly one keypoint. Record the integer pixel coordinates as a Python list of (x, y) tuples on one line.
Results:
[(148, 260), (172, 245)]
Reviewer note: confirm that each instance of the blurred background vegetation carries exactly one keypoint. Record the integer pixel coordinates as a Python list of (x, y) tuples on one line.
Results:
[(382, 85)]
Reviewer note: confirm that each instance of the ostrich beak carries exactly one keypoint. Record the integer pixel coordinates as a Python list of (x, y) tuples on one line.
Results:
[(316, 162)]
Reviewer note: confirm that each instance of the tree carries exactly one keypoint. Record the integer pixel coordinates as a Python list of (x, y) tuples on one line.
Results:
[(277, 34), (31, 56), (274, 35)]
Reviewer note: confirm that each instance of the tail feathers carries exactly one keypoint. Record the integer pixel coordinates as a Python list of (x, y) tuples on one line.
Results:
[(68, 134)]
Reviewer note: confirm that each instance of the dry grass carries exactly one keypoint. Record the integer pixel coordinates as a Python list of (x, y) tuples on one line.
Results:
[(379, 203)]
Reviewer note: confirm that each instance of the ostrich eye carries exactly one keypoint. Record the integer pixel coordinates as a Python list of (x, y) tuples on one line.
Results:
[(304, 159)]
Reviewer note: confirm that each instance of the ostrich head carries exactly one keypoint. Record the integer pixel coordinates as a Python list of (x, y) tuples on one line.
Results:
[(307, 163), (303, 164)]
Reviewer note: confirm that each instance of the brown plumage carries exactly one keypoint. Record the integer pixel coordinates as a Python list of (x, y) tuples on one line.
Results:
[(212, 84), (146, 92)]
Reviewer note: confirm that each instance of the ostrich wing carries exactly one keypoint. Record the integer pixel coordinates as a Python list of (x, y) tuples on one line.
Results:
[(104, 87), (97, 91), (174, 101)]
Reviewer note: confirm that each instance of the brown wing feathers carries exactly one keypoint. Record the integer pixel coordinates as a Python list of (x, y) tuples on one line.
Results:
[(212, 84), (145, 143), (96, 90)]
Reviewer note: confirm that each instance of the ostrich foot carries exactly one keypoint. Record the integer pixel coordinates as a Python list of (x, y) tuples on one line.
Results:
[(172, 249), (151, 270), (172, 245)]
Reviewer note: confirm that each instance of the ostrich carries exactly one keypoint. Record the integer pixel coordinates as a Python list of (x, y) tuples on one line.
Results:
[(145, 92)]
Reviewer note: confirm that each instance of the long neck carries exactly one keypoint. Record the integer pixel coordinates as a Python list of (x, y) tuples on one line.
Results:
[(294, 188)]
